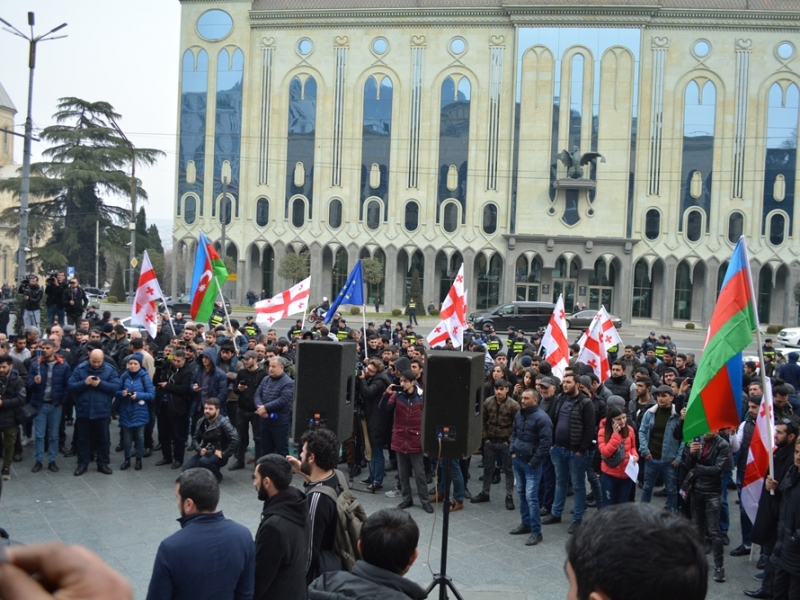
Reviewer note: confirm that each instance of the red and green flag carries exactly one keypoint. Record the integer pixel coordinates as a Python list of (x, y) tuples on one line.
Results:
[(207, 279), (716, 398)]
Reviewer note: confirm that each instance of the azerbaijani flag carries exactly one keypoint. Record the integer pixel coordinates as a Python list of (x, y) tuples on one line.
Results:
[(207, 279), (716, 398)]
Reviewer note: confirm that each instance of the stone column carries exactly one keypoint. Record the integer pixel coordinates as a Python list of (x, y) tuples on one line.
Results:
[(428, 281), (709, 296), (624, 287), (315, 271), (668, 300), (390, 279), (470, 283), (173, 280)]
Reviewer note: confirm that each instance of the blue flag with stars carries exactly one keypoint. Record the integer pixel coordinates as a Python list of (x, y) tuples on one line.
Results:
[(352, 292)]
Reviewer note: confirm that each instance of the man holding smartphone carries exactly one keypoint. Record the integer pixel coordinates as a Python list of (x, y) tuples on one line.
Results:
[(93, 384)]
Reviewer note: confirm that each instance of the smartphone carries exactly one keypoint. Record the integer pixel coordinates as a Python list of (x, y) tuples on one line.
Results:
[(95, 378), (38, 353)]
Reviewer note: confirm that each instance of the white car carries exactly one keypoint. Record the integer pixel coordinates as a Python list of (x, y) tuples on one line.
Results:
[(131, 328), (790, 337)]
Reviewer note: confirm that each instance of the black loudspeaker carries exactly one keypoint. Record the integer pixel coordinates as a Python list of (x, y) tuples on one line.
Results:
[(452, 409), (324, 387)]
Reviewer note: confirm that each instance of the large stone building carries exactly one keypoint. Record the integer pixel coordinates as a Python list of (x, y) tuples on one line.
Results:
[(8, 169), (425, 133)]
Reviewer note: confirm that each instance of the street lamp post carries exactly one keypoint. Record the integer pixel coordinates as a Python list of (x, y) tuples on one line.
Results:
[(25, 185)]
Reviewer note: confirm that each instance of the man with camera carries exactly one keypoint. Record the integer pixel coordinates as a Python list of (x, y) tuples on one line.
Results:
[(31, 301), (54, 289), (74, 302), (371, 384), (93, 384), (173, 418), (216, 440)]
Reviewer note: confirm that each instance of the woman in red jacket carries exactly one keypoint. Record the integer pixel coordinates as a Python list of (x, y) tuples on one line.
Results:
[(617, 444)]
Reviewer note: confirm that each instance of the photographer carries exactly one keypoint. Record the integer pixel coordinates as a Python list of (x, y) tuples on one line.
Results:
[(74, 302), (248, 380), (173, 417), (31, 301), (55, 286), (215, 438), (372, 382)]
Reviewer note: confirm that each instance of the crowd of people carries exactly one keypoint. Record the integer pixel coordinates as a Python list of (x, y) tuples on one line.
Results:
[(208, 389)]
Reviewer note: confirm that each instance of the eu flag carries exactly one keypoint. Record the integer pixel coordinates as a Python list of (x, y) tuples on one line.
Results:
[(352, 292)]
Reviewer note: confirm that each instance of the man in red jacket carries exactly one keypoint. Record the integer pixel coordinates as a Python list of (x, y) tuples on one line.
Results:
[(406, 402)]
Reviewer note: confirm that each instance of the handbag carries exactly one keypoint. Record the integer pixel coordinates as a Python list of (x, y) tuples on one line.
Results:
[(616, 459), (25, 413)]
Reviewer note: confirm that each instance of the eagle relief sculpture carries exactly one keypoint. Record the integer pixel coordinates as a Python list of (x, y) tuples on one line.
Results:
[(574, 161)]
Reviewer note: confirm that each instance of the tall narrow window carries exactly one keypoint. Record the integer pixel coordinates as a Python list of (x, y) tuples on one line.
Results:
[(652, 224), (225, 211), (698, 147), (575, 101), (190, 209), (376, 139), (694, 226), (417, 265), (735, 227), (450, 217), (447, 272), (194, 98), (764, 294), (783, 118), (339, 273), (335, 213), (642, 291), (301, 144), (298, 212), (528, 278), (683, 293), (262, 212), (454, 141), (376, 290), (228, 125), (488, 281), (373, 214), (412, 216), (489, 218), (777, 225)]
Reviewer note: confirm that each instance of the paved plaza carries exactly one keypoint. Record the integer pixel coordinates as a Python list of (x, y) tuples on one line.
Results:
[(123, 518)]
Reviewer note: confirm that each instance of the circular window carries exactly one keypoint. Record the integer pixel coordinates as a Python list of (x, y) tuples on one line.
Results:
[(785, 50), (380, 46), (458, 45), (701, 48), (304, 46), (213, 25)]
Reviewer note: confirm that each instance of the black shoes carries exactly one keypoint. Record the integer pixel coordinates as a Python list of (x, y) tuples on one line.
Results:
[(163, 462), (405, 504), (573, 527), (104, 469), (740, 551), (726, 540), (551, 519), (762, 562), (236, 466), (72, 452), (367, 481), (759, 593), (520, 530), (36, 467), (496, 477), (533, 540), (509, 502), (148, 452), (124, 466), (80, 470), (719, 574), (427, 508), (138, 466), (374, 487), (53, 467), (480, 498), (177, 464), (543, 512), (118, 448)]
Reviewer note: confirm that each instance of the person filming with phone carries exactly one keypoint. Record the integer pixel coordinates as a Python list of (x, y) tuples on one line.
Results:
[(93, 385)]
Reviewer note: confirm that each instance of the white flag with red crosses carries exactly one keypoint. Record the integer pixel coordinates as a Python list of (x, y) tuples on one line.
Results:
[(289, 302), (143, 311), (595, 343), (555, 340)]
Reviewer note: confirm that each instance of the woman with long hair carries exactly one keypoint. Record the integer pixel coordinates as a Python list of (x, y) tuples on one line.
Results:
[(617, 444), (496, 374), (526, 381)]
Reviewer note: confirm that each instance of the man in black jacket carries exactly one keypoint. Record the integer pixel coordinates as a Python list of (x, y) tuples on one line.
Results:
[(247, 381), (173, 419), (74, 301), (12, 397), (31, 301), (216, 440), (531, 439), (786, 557), (765, 528), (619, 384), (707, 460), (282, 536), (371, 384), (573, 435), (388, 547)]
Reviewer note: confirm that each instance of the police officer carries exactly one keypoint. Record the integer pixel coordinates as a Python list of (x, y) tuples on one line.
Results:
[(518, 345), (344, 330), (649, 343), (297, 330), (410, 335), (493, 343), (769, 351), (250, 329), (412, 311), (217, 316), (661, 347)]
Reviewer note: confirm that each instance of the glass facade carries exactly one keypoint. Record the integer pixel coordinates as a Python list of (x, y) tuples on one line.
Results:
[(192, 150), (454, 143), (228, 125), (699, 107), (780, 167), (489, 277), (376, 141), (642, 291), (301, 142)]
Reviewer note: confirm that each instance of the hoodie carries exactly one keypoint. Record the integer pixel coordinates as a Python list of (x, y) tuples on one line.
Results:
[(366, 582), (282, 547), (790, 372), (215, 386)]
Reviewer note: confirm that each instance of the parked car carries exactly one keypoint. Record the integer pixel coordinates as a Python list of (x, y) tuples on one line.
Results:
[(95, 293), (184, 304), (527, 316), (582, 319), (790, 337)]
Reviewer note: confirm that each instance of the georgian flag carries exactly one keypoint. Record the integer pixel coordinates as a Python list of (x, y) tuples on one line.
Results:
[(600, 336), (289, 302), (555, 340), (143, 311), (758, 456)]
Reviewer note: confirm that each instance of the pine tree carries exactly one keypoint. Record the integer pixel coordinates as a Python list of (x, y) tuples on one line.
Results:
[(118, 284), (415, 291)]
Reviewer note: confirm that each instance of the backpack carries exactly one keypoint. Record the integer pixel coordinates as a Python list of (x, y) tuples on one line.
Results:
[(351, 516)]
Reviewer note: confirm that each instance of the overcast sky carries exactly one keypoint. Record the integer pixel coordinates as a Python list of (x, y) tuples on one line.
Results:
[(123, 52)]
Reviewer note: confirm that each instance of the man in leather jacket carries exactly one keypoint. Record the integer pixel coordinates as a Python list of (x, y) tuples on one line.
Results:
[(216, 440), (708, 458), (173, 420)]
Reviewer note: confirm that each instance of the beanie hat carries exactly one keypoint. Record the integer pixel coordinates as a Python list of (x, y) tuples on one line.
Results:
[(137, 356), (525, 361)]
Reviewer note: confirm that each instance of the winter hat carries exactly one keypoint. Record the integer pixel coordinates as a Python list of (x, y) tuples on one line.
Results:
[(402, 364), (793, 356), (137, 356), (525, 361), (616, 401), (108, 328)]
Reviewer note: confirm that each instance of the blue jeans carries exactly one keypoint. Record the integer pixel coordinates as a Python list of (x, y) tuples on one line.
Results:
[(377, 465), (128, 435), (30, 318), (569, 465), (527, 479), (455, 476), (46, 420), (615, 489), (55, 311), (274, 438), (594, 482), (547, 487), (652, 469)]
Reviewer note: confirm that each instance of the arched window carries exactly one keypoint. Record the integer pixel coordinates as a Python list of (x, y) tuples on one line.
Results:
[(777, 225), (339, 273), (642, 291), (560, 270), (528, 279), (565, 282), (225, 210), (601, 286), (376, 290), (488, 281), (228, 124), (735, 227), (489, 218), (262, 212), (335, 214), (417, 264), (697, 158), (190, 209), (301, 140), (683, 292), (780, 166), (298, 212), (447, 272), (450, 217), (652, 224), (694, 225), (267, 270), (575, 101), (454, 139), (412, 216), (723, 269), (764, 293), (376, 140), (373, 214), (194, 99)]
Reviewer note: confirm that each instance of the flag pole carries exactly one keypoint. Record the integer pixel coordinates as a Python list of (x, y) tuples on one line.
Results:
[(227, 316), (768, 405)]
